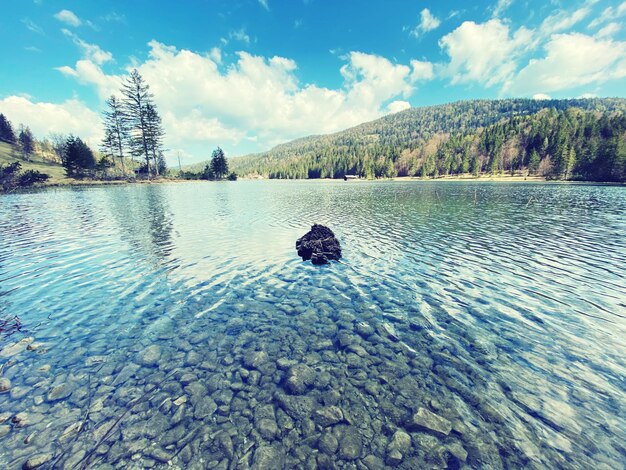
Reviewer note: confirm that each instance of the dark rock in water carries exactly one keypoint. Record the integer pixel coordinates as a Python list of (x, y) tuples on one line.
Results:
[(319, 245)]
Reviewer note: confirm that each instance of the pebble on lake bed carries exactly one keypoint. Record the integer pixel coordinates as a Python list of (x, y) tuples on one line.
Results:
[(5, 385)]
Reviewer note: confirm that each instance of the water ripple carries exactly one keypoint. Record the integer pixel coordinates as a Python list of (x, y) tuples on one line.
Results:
[(507, 301)]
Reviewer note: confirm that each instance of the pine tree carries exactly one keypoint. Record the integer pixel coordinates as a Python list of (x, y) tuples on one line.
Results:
[(6, 130), (570, 163), (154, 136), (137, 97), (533, 162), (78, 158), (27, 142), (219, 164), (115, 129)]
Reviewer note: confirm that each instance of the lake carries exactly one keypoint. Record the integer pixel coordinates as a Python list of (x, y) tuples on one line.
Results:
[(468, 325)]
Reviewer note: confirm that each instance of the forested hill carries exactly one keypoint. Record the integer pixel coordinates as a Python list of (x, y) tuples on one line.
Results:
[(566, 139)]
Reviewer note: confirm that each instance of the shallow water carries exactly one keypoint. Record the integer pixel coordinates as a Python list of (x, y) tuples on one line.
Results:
[(469, 325)]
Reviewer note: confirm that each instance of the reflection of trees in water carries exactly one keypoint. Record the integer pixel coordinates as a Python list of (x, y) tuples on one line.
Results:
[(145, 220), (23, 225)]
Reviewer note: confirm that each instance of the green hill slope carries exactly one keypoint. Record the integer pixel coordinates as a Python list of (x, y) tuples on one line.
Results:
[(8, 154), (413, 142)]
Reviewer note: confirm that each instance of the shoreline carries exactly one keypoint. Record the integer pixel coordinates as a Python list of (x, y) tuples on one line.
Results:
[(401, 179)]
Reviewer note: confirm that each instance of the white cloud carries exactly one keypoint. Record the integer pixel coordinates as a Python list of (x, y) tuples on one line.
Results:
[(216, 55), (541, 96), (428, 22), (501, 6), (91, 52), (609, 14), (89, 73), (563, 20), (397, 106), (422, 70), (486, 53), (609, 30), (264, 4), (258, 98), (68, 17), (32, 26), (72, 116), (240, 35), (571, 60)]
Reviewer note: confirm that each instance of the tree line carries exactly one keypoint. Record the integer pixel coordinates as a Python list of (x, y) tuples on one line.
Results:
[(562, 139), (25, 141), (215, 169)]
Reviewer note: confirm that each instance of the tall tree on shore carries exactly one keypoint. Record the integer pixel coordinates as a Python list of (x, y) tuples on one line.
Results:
[(6, 130), (115, 130), (219, 164), (27, 142), (137, 97), (78, 158), (154, 136)]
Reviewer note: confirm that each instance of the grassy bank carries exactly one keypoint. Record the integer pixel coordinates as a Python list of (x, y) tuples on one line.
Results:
[(9, 155)]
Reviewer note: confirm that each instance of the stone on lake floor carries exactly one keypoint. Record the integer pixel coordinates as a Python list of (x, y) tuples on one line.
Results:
[(254, 359), (36, 461), (268, 457), (5, 385), (299, 378), (149, 356), (59, 392), (350, 443), (429, 421), (328, 444), (16, 348), (319, 245), (400, 441), (328, 415)]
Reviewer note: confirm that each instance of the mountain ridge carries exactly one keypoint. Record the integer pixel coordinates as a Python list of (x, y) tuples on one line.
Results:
[(384, 142)]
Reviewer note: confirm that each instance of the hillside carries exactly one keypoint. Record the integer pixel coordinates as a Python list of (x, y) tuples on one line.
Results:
[(9, 155), (418, 140)]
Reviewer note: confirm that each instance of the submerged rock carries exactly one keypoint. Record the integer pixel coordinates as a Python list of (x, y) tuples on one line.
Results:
[(59, 392), (299, 378), (350, 444), (5, 385), (328, 415), (425, 420), (36, 461), (268, 457), (149, 356), (319, 245)]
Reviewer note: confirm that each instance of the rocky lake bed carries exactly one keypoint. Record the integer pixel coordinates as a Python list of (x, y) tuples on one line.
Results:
[(287, 365)]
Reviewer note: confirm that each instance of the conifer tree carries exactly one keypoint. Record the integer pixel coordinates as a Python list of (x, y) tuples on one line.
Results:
[(137, 97), (116, 133), (154, 137), (78, 158), (26, 141), (219, 164), (6, 130)]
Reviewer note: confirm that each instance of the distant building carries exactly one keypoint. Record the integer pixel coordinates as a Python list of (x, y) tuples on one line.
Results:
[(350, 177)]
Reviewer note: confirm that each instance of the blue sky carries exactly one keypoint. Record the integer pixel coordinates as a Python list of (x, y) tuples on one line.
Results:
[(249, 74)]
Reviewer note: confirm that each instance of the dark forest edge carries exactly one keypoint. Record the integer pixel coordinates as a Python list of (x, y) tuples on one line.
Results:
[(581, 139)]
